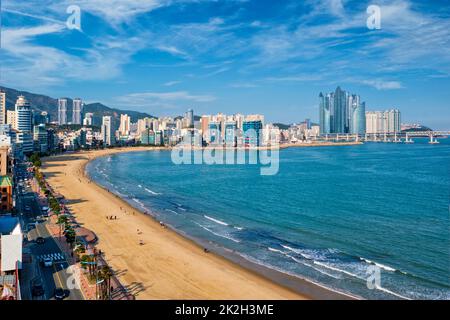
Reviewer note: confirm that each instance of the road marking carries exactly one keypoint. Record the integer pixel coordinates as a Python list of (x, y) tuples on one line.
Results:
[(57, 275)]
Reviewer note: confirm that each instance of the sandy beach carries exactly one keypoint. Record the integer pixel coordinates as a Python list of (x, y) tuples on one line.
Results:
[(167, 266)]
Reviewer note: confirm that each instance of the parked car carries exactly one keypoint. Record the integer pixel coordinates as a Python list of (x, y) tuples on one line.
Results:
[(37, 289), (40, 240), (59, 294), (48, 262)]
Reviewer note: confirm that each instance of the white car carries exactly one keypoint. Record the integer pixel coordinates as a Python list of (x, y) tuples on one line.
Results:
[(48, 262)]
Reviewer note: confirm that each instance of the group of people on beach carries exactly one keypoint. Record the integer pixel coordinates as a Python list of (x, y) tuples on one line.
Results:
[(111, 217)]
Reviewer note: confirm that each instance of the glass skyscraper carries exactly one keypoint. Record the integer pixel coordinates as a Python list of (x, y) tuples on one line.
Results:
[(341, 112), (252, 133)]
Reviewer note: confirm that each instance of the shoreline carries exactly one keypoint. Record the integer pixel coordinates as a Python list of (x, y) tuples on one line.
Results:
[(270, 283)]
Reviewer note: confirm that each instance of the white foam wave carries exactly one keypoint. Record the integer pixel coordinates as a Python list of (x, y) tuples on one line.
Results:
[(311, 266), (172, 211), (275, 250), (338, 270), (218, 234), (392, 292), (152, 192), (298, 251), (216, 220), (382, 266)]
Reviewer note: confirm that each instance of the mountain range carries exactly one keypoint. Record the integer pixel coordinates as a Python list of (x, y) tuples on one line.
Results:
[(41, 103)]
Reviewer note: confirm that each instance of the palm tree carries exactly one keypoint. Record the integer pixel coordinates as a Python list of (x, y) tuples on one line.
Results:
[(87, 260), (105, 274), (62, 220)]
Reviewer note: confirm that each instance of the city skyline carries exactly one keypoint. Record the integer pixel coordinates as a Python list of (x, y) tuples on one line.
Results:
[(233, 56)]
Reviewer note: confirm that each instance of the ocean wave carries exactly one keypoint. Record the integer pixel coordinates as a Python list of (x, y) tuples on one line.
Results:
[(269, 266), (152, 192), (298, 251), (140, 186), (172, 211), (218, 234), (276, 250), (391, 292), (382, 266), (317, 269), (216, 220), (327, 266), (139, 202)]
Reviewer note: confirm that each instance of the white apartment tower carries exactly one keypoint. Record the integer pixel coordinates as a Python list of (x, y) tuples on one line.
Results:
[(62, 111), (76, 111)]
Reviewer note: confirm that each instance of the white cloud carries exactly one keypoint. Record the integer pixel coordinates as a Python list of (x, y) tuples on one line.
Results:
[(23, 59), (383, 85), (143, 98), (171, 83)]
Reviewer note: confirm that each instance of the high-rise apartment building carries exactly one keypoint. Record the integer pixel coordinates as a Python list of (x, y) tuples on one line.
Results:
[(24, 124), (107, 133), (2, 107), (252, 131), (11, 118), (189, 118), (125, 124), (388, 121), (88, 119), (77, 105), (215, 132), (62, 111), (341, 112)]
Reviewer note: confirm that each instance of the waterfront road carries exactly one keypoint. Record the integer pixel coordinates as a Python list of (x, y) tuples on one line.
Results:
[(58, 275)]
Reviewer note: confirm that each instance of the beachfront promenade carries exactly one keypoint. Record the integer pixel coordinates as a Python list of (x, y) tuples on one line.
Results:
[(80, 275), (152, 262)]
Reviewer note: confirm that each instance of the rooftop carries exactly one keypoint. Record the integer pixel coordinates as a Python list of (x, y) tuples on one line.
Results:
[(8, 224), (5, 181)]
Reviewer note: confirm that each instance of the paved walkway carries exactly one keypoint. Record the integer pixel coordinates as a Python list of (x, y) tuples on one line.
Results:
[(119, 292)]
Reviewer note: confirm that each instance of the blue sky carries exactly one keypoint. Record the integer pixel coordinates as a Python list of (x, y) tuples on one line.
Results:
[(261, 56)]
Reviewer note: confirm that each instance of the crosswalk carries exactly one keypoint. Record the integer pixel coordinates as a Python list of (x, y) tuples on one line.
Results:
[(53, 256)]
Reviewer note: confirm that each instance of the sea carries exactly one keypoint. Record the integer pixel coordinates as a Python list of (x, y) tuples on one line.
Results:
[(369, 220)]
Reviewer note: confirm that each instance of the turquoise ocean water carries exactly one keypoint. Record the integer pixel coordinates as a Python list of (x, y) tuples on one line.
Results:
[(327, 216)]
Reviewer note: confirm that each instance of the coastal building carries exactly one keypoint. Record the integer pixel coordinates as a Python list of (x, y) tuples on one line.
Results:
[(388, 121), (77, 105), (11, 118), (40, 117), (107, 131), (24, 124), (4, 160), (88, 119), (6, 189), (252, 133), (2, 107), (125, 124), (341, 112), (10, 245), (215, 129), (62, 111), (189, 118), (40, 137), (230, 133), (204, 126)]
